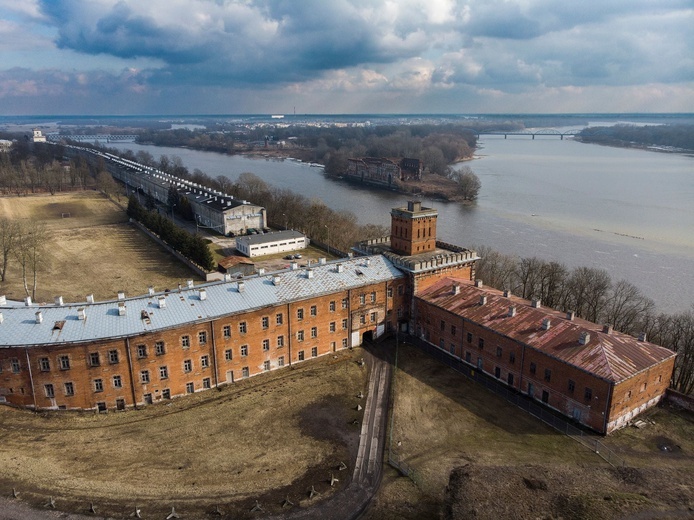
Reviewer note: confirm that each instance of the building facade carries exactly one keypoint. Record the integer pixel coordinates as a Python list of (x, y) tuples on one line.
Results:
[(271, 243)]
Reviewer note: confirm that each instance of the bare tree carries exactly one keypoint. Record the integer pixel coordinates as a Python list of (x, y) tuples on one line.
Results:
[(496, 269), (627, 307), (587, 293), (469, 183), (682, 342), (31, 253), (9, 234), (106, 184)]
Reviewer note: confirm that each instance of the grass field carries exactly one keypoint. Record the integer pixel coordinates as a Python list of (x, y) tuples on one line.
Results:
[(92, 251), (262, 438)]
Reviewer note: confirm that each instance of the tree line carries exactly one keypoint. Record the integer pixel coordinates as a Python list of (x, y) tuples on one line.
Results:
[(676, 136), (24, 241), (593, 295)]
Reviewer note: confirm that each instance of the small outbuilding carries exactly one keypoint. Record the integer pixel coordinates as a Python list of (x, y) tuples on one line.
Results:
[(236, 265), (271, 243)]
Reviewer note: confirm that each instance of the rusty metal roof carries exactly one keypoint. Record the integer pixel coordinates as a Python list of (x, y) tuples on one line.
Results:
[(609, 355)]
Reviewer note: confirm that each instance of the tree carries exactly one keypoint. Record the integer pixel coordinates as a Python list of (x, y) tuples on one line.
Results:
[(626, 307), (9, 235), (469, 183), (31, 253), (106, 184)]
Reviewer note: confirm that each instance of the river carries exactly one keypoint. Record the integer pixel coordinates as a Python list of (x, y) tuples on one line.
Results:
[(628, 211)]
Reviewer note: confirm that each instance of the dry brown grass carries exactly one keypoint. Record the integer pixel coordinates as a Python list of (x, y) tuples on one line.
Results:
[(265, 438), (94, 250)]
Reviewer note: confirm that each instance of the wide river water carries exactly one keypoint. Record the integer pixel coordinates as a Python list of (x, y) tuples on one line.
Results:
[(628, 211)]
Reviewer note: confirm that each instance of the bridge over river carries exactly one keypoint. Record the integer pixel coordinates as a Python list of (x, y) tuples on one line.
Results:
[(532, 133), (90, 138)]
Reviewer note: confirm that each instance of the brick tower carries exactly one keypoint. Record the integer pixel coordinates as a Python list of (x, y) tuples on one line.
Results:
[(413, 229)]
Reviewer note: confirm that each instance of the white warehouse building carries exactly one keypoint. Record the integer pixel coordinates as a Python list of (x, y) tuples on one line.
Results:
[(271, 243)]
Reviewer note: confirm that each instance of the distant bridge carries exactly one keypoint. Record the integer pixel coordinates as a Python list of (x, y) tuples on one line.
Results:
[(109, 138), (531, 133)]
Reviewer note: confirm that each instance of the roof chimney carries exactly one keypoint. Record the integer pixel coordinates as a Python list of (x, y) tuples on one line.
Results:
[(339, 268), (81, 314), (546, 324), (293, 266), (90, 298), (150, 290), (368, 262), (536, 303), (483, 299), (607, 328), (2, 318), (121, 308), (227, 277), (511, 311), (241, 286), (276, 280), (161, 302), (309, 273), (322, 260), (642, 336), (261, 271), (584, 339), (190, 284), (507, 293), (202, 294), (39, 317), (59, 301), (570, 315), (121, 295), (3, 299), (478, 283), (27, 301), (456, 288)]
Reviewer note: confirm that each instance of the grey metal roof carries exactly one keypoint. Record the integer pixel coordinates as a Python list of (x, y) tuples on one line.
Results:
[(270, 237), (19, 326)]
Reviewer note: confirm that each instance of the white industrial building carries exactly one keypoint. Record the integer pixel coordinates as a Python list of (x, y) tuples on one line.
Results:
[(271, 243)]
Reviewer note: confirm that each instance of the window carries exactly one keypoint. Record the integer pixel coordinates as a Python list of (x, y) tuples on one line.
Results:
[(362, 319), (50, 392), (373, 297), (265, 322), (499, 351), (245, 372), (266, 365), (301, 355), (163, 373), (64, 362), (468, 357), (113, 356), (344, 342), (332, 306), (373, 317), (314, 310), (228, 355), (345, 303), (572, 386), (480, 342), (266, 345), (400, 289), (314, 332), (314, 352), (443, 325), (226, 331), (280, 341), (185, 341), (188, 365), (469, 337), (280, 361), (190, 388), (69, 389), (362, 299), (117, 382), (204, 361), (399, 313), (588, 394), (452, 330), (390, 292), (244, 350), (278, 319), (242, 327), (497, 372), (159, 348), (300, 335), (98, 385), (44, 364), (344, 324), (207, 383), (512, 357), (94, 359), (643, 387), (451, 349), (533, 368), (141, 351), (144, 376), (333, 328), (166, 393), (202, 337), (548, 375)]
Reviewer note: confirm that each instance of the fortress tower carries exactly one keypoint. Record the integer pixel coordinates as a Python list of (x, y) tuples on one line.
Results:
[(413, 229)]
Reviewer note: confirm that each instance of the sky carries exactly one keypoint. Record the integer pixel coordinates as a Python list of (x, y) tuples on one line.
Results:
[(123, 57)]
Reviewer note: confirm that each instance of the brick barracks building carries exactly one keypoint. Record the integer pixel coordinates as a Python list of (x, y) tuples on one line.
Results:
[(135, 351)]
